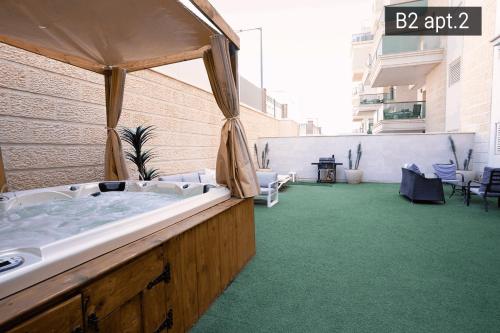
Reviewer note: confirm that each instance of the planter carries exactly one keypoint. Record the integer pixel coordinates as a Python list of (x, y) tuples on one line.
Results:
[(353, 176), (468, 175), (264, 170)]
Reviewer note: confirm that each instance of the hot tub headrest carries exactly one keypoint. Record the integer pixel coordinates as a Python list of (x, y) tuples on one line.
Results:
[(111, 186)]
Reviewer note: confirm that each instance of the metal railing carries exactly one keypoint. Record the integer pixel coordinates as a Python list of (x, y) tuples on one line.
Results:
[(362, 37), (273, 107), (374, 98), (404, 110)]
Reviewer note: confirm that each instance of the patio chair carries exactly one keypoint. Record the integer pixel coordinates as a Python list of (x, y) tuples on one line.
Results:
[(449, 175), (268, 183), (283, 181), (489, 187), (416, 187)]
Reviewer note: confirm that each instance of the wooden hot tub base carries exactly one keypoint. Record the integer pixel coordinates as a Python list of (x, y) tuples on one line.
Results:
[(162, 282)]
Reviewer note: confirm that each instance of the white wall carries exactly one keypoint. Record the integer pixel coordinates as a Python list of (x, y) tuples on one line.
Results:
[(383, 155)]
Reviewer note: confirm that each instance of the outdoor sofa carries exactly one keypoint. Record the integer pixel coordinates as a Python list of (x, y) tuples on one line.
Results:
[(416, 187)]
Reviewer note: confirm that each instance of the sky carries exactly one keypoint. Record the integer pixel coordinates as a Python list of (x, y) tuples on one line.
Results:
[(307, 53)]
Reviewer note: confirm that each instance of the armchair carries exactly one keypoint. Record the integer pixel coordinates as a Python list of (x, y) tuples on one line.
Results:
[(449, 175), (416, 187), (268, 183), (489, 187)]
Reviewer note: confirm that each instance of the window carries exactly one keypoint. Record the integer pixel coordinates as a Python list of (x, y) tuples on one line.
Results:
[(454, 72), (497, 139)]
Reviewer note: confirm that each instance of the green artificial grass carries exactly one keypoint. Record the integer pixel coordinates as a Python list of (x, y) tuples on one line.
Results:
[(360, 258)]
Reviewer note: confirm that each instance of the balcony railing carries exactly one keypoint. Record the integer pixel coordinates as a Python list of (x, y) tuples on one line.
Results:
[(362, 37), (404, 110), (374, 98), (401, 44)]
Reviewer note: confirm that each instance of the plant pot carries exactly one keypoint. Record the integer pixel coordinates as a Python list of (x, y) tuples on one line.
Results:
[(353, 176), (468, 175), (263, 170)]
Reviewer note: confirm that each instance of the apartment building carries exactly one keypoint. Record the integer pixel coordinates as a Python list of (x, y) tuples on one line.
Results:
[(425, 84), (310, 127)]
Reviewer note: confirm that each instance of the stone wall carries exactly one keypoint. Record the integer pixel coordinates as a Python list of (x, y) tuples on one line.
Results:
[(52, 121), (435, 116)]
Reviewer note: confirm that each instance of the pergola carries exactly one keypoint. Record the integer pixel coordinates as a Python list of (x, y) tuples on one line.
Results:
[(115, 37)]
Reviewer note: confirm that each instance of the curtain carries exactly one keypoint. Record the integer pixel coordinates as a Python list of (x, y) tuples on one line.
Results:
[(235, 168), (3, 179), (114, 161)]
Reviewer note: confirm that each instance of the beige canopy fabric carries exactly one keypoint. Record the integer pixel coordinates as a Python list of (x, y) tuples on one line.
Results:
[(235, 168), (114, 162), (98, 35), (114, 37), (3, 179)]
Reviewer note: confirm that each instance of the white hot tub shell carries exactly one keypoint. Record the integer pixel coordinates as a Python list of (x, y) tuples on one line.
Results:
[(49, 257)]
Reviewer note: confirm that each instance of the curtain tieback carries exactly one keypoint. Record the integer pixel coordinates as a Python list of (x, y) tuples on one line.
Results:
[(231, 118), (110, 129)]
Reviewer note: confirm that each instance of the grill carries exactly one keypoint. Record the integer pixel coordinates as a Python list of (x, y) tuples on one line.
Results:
[(327, 169)]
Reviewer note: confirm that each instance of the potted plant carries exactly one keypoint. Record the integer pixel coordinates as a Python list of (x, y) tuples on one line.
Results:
[(263, 163), (465, 168), (137, 138), (353, 174)]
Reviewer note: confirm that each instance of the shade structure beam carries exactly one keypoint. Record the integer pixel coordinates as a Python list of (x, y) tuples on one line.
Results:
[(3, 178), (216, 19)]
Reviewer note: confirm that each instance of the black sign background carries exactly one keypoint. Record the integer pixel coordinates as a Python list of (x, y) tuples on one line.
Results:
[(459, 21)]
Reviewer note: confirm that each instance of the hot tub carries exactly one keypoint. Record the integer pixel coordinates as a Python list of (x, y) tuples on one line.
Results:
[(44, 232)]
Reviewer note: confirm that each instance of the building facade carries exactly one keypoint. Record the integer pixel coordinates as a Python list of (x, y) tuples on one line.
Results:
[(425, 84)]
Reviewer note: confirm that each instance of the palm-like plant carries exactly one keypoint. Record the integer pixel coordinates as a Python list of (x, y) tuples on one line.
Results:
[(359, 153), (137, 138), (453, 150)]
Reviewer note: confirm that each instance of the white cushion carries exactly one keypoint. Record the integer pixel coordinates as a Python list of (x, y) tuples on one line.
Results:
[(208, 179), (171, 178), (265, 190), (193, 177), (209, 172)]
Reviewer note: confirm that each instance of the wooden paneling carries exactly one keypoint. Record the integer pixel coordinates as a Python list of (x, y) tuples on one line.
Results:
[(227, 243), (116, 288), (207, 263), (245, 232), (125, 319), (189, 278), (172, 256), (66, 317), (154, 307)]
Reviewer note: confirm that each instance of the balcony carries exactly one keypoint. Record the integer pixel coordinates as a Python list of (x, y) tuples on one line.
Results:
[(401, 117), (403, 60), (366, 99), (362, 37), (369, 102)]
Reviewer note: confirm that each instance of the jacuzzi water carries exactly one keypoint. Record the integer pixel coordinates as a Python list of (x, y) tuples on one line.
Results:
[(44, 232), (38, 224)]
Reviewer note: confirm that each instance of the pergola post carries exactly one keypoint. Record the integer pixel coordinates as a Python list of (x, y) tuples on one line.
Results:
[(114, 163), (3, 179)]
